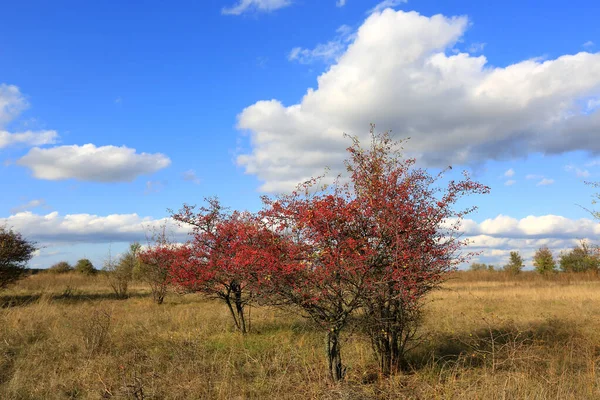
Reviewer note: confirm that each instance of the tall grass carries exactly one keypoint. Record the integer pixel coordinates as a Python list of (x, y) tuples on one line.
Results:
[(484, 337)]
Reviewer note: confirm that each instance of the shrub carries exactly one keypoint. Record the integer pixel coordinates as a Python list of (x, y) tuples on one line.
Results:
[(120, 272), (15, 253), (85, 267), (481, 267), (61, 267), (378, 243), (581, 258)]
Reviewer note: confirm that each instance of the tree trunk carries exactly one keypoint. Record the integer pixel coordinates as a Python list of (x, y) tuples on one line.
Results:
[(232, 311), (239, 306), (334, 356)]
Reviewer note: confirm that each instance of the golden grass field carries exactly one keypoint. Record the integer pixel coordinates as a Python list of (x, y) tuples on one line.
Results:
[(485, 336)]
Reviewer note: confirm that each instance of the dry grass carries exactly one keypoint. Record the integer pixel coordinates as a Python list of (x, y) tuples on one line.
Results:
[(486, 336)]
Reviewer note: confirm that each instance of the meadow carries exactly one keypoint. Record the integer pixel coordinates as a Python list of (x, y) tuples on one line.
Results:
[(486, 335)]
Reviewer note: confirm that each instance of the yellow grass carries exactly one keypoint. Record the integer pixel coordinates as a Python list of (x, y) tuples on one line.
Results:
[(485, 336)]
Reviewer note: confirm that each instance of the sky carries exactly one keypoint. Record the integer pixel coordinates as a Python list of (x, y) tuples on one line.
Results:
[(112, 113)]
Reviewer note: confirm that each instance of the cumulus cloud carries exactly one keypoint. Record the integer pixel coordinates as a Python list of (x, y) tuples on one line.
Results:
[(91, 163), (509, 173), (533, 227), (510, 182), (243, 6), (456, 108), (588, 44), (340, 3), (87, 228)]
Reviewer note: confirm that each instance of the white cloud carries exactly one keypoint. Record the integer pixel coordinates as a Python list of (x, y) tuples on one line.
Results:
[(509, 173), (29, 138), (243, 6), (386, 4), (91, 163), (457, 109), (326, 52), (28, 206), (340, 3), (588, 44), (510, 182), (190, 176), (532, 227), (88, 228), (545, 182), (12, 104)]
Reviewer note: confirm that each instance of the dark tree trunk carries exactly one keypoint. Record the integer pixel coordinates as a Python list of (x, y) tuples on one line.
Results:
[(232, 311), (236, 288), (235, 302), (334, 355)]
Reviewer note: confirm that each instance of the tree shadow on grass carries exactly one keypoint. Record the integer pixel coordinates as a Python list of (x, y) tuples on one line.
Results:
[(67, 297), (494, 345)]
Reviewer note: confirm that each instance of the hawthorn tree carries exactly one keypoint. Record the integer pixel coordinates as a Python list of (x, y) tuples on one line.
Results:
[(412, 229), (15, 253), (324, 264), (378, 242), (225, 256), (156, 261)]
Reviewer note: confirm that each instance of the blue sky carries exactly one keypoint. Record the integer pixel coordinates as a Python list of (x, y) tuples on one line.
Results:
[(111, 112)]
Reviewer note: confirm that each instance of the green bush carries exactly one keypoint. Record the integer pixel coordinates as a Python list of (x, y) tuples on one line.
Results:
[(85, 267), (61, 267)]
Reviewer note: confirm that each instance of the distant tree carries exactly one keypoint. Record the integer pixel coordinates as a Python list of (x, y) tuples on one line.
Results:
[(491, 268), (61, 267), (15, 252), (581, 258), (515, 264), (120, 271), (543, 261), (479, 267), (85, 267)]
